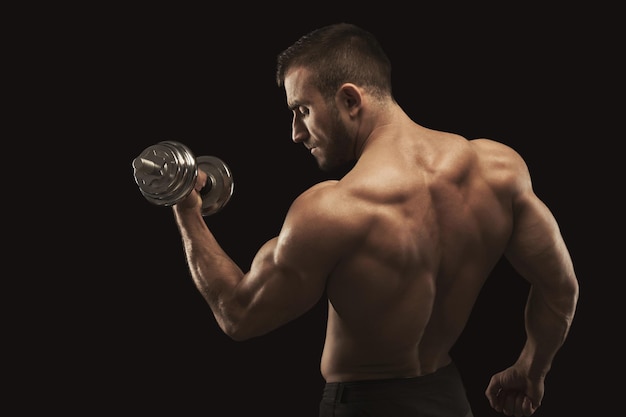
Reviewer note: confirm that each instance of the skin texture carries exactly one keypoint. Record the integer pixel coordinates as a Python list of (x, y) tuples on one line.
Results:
[(401, 246)]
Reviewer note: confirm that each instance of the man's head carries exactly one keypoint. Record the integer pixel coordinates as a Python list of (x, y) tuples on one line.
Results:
[(329, 75), (338, 54)]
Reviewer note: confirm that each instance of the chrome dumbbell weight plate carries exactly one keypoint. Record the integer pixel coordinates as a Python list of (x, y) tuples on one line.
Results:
[(219, 187), (165, 173)]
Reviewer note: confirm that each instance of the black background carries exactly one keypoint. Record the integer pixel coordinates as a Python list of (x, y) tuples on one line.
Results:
[(111, 323)]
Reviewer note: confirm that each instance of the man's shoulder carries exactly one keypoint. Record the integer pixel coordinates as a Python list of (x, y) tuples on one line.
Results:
[(315, 197), (492, 152), (500, 165), (488, 146), (326, 212)]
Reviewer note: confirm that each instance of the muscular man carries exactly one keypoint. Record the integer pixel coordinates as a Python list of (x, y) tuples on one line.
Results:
[(401, 245)]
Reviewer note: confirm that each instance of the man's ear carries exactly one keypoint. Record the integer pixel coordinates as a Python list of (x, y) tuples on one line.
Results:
[(349, 98)]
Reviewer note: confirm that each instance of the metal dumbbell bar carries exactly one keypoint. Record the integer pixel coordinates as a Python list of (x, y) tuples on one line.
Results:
[(166, 173)]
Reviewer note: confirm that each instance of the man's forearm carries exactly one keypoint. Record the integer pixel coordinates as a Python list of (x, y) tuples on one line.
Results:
[(214, 273), (547, 326)]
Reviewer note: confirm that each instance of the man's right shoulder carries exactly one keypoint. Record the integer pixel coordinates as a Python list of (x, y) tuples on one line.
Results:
[(501, 165)]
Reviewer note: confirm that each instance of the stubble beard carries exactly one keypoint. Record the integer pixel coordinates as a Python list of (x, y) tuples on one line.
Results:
[(338, 151)]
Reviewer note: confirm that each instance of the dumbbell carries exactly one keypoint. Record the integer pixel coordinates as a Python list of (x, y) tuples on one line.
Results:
[(166, 173)]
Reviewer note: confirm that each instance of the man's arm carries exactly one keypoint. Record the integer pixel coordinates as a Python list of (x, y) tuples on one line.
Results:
[(538, 252), (286, 278)]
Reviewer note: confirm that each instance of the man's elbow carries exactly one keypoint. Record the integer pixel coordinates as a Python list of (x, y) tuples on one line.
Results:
[(566, 303), (238, 334), (574, 294), (239, 329)]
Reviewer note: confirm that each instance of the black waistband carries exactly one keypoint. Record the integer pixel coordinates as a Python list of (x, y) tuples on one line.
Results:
[(344, 392)]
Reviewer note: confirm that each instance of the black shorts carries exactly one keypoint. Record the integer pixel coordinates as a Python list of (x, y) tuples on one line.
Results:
[(440, 394)]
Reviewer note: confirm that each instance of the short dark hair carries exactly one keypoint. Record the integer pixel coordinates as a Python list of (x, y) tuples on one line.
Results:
[(337, 54)]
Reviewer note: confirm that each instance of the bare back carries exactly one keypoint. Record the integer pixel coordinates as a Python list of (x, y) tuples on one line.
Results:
[(434, 219)]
